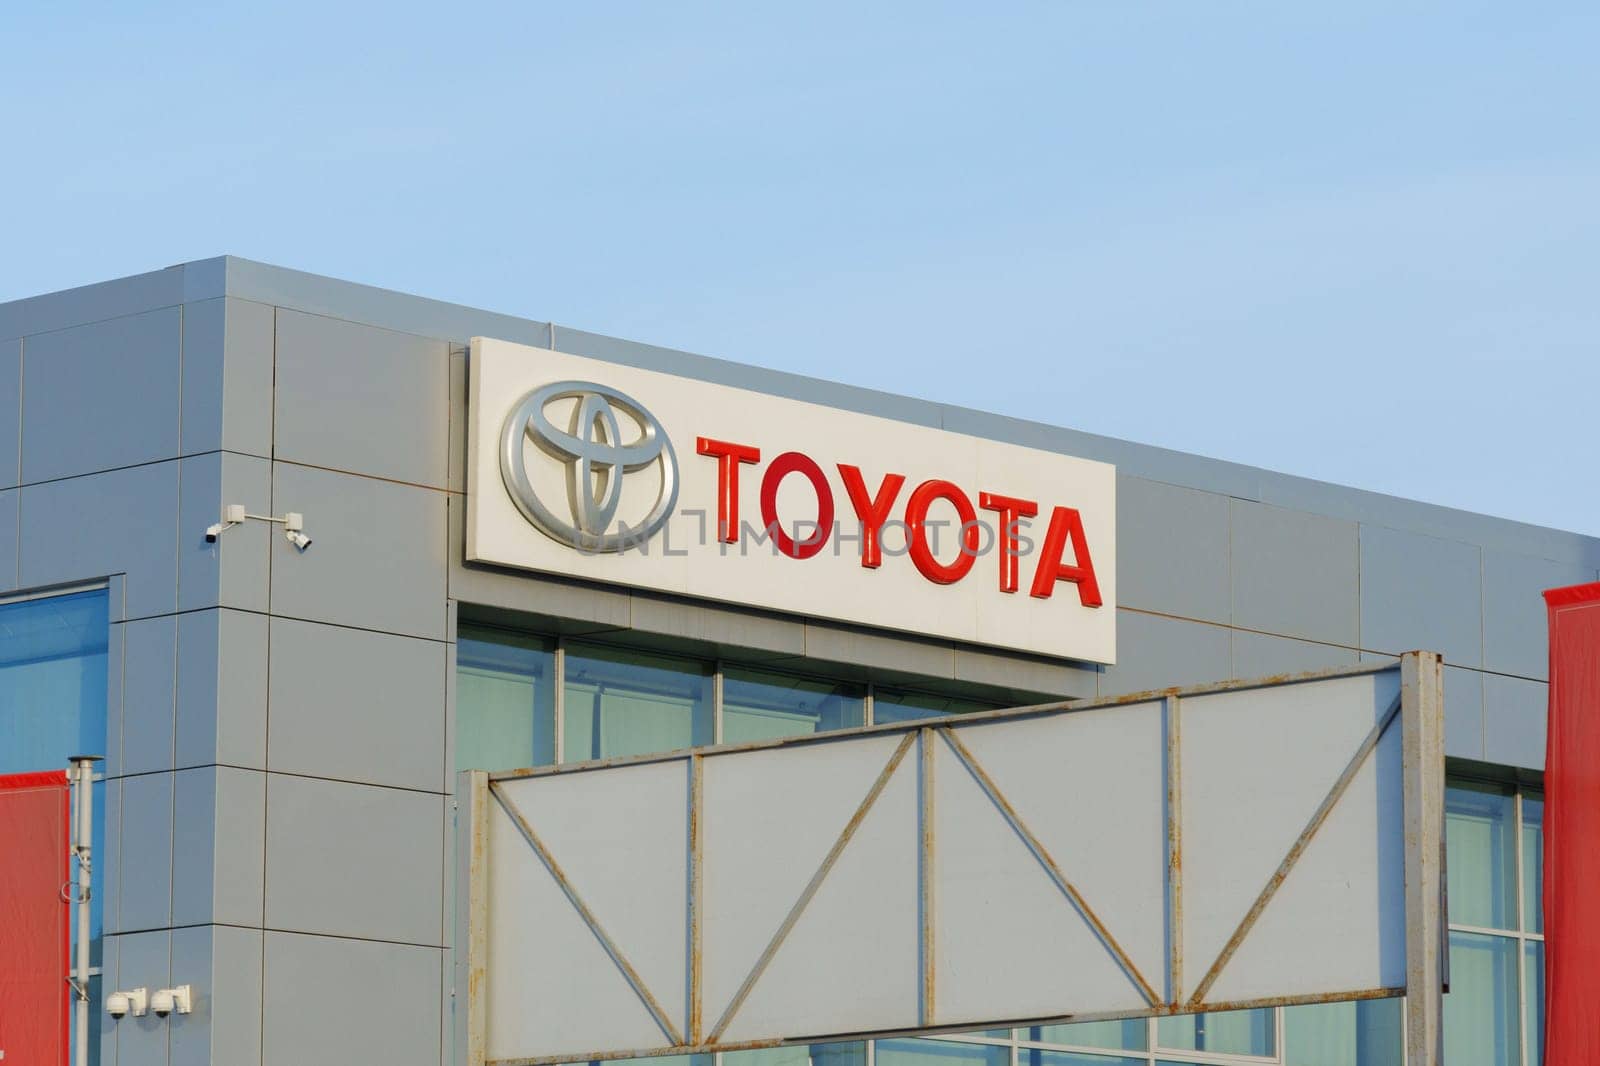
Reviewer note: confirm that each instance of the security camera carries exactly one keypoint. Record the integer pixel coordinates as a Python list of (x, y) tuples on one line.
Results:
[(133, 1001), (167, 1000), (298, 539), (213, 532), (294, 530)]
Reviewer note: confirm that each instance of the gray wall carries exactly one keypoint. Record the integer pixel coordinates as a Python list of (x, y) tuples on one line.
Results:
[(279, 749)]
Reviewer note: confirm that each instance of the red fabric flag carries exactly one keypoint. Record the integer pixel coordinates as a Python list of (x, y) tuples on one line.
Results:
[(1572, 830), (35, 929)]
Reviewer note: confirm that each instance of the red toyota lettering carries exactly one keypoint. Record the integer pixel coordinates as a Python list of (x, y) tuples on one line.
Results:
[(1066, 525), (871, 510), (728, 457), (1010, 509), (916, 521), (784, 465)]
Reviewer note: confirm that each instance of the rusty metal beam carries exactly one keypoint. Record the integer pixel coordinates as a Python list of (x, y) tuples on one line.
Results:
[(617, 957), (1427, 950), (1066, 886), (475, 796), (810, 890), (1298, 848), (926, 901), (1172, 721), (697, 831)]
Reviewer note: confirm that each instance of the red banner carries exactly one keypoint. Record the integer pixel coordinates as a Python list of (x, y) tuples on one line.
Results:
[(1572, 830), (35, 930)]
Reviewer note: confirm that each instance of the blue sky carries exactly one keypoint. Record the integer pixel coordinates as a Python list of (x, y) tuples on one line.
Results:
[(1359, 242)]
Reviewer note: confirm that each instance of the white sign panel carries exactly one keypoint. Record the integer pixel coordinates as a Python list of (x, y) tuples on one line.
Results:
[(1232, 846), (611, 473)]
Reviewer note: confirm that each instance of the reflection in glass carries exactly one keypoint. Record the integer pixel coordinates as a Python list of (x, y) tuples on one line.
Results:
[(1533, 1010), (939, 1053), (1239, 1032), (760, 704), (1481, 1013), (1365, 1033), (1039, 1057), (505, 700), (1125, 1035), (1532, 864), (846, 1054), (898, 705), (1482, 858), (622, 702)]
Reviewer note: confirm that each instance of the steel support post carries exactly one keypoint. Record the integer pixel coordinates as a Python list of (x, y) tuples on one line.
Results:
[(1422, 740)]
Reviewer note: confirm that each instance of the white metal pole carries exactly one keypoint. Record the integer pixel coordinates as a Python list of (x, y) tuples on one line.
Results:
[(82, 776)]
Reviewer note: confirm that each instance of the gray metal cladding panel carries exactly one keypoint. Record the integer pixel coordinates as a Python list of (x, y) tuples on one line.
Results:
[(101, 396), (1515, 630), (144, 960), (356, 705), (1421, 592), (1155, 652), (218, 846), (1294, 574), (224, 965), (111, 299), (333, 1002), (358, 398), (354, 860), (1172, 550), (120, 522), (730, 627), (149, 684), (222, 689), (1514, 721), (10, 411), (1026, 675), (232, 570), (144, 883), (103, 1028), (826, 642), (9, 500), (1262, 655), (1463, 713), (378, 558), (227, 377)]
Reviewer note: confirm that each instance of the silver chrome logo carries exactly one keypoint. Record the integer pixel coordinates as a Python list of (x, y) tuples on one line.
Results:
[(597, 460)]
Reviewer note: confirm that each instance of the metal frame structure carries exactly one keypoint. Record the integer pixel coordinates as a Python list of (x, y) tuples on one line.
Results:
[(1418, 710)]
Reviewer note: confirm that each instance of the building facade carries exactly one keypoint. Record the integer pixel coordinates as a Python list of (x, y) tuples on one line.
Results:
[(282, 726)]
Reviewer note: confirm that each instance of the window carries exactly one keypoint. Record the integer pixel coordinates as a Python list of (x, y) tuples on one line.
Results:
[(527, 700), (53, 674), (505, 700), (622, 702), (1494, 1013), (759, 705)]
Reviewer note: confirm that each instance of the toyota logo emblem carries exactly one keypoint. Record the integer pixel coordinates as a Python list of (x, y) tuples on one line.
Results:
[(598, 461)]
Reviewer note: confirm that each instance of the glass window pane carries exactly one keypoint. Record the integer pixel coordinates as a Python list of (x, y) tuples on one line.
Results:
[(1480, 856), (1038, 1057), (939, 1053), (1533, 864), (1365, 1033), (505, 700), (759, 705), (1239, 1032), (1481, 1013), (898, 705), (1533, 1010), (1126, 1035), (848, 1054), (52, 680), (622, 702)]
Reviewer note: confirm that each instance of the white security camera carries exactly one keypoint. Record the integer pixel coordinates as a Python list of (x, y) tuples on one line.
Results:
[(132, 1001), (167, 1000), (213, 532), (294, 526)]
